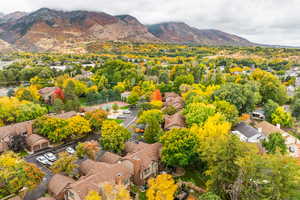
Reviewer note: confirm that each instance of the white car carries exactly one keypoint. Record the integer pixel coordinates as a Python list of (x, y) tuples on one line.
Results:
[(43, 160), (70, 150), (50, 156), (128, 112)]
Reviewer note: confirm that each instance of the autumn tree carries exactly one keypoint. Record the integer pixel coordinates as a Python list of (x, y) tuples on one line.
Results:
[(114, 192), (269, 109), (96, 118), (114, 136), (89, 149), (77, 127), (65, 164), (228, 110), (163, 187), (180, 147), (152, 119), (156, 96), (275, 142), (17, 174), (93, 195), (198, 113), (280, 116), (28, 93)]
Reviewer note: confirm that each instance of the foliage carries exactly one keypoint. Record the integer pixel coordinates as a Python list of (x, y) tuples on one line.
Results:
[(65, 164), (162, 187), (180, 147), (152, 119), (12, 110), (274, 176), (16, 174), (77, 127), (269, 108), (115, 107), (295, 107), (170, 110), (96, 118), (210, 196), (114, 136), (29, 94), (156, 96), (133, 98), (115, 192), (280, 116), (89, 149), (198, 113), (274, 143), (72, 105), (93, 195), (58, 105), (228, 110), (157, 104)]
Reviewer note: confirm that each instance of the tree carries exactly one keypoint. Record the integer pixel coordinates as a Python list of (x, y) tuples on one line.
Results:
[(77, 127), (69, 90), (162, 187), (180, 147), (198, 113), (58, 105), (282, 117), (72, 105), (228, 110), (10, 92), (114, 136), (93, 195), (65, 164), (29, 94), (152, 119), (96, 118), (244, 97), (268, 176), (209, 196), (275, 142), (170, 110), (114, 192), (115, 107), (269, 109), (133, 98), (157, 104), (89, 149), (183, 79), (296, 108), (18, 143), (156, 96), (17, 174)]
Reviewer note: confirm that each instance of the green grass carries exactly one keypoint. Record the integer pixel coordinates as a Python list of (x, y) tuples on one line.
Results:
[(23, 154), (124, 108), (119, 121)]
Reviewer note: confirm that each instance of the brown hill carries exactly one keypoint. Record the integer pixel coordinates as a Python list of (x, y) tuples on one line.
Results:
[(178, 32), (11, 17), (48, 29)]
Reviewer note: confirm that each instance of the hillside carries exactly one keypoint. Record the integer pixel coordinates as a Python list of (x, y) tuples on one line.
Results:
[(179, 32), (66, 32)]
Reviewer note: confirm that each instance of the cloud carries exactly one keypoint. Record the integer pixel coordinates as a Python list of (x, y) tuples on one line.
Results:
[(261, 21)]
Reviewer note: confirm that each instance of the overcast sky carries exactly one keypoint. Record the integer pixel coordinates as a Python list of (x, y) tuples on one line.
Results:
[(261, 21)]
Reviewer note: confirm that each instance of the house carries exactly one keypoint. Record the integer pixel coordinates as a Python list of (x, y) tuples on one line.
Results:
[(173, 99), (57, 186), (49, 94), (247, 133), (46, 198), (35, 143), (174, 121), (291, 142), (140, 163)]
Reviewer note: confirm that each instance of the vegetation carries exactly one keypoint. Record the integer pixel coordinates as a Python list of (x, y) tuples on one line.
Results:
[(65, 164)]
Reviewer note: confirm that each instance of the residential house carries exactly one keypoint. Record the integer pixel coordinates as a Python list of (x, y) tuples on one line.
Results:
[(35, 143), (291, 142), (247, 133), (49, 94), (140, 163), (57, 185), (174, 121), (173, 99)]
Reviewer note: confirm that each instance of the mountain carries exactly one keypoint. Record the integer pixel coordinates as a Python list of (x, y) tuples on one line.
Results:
[(11, 17), (5, 47), (179, 32), (71, 31), (54, 30)]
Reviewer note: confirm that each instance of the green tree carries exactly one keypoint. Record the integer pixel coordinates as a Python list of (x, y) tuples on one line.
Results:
[(296, 108), (183, 79), (198, 113), (58, 105), (65, 164), (152, 119), (133, 98), (275, 142), (69, 91), (180, 147), (209, 196), (72, 105), (114, 136), (228, 110), (115, 107), (269, 109)]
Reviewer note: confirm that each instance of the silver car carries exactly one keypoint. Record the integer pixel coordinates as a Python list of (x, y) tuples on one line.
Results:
[(70, 150), (50, 156), (43, 160)]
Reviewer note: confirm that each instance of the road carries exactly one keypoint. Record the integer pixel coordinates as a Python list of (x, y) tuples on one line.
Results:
[(42, 188)]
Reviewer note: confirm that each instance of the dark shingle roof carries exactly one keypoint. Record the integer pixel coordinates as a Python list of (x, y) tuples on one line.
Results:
[(246, 130)]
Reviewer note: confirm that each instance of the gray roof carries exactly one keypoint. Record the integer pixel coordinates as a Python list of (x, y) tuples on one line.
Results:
[(246, 130)]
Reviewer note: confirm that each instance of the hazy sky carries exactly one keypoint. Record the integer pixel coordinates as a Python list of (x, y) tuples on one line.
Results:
[(261, 21)]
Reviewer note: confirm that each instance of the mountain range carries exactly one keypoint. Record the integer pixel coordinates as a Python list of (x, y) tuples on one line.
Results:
[(60, 31)]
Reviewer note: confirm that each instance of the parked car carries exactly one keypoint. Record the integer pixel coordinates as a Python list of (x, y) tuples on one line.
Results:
[(122, 117), (70, 150), (127, 112), (140, 128), (50, 156), (43, 160)]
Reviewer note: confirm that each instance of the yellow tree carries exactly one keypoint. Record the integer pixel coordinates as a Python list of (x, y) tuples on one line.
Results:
[(163, 187), (93, 195), (115, 192)]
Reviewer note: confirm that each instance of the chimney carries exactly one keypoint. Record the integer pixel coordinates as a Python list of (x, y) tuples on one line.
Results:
[(137, 165), (119, 179), (29, 128), (259, 130), (278, 126)]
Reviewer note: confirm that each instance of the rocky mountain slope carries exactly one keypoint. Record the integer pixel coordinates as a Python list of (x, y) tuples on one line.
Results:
[(178, 32), (60, 31)]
